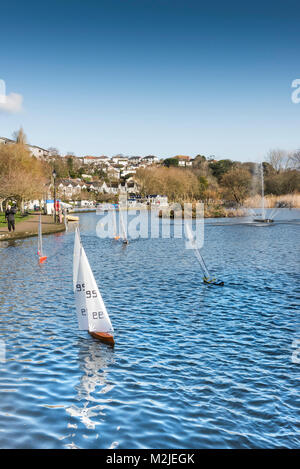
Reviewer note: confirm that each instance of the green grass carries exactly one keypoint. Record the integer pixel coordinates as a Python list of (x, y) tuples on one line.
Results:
[(18, 217)]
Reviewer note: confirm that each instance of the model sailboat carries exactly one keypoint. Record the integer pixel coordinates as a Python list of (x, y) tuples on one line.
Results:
[(42, 258), (124, 236), (76, 256), (114, 218), (91, 311), (208, 279)]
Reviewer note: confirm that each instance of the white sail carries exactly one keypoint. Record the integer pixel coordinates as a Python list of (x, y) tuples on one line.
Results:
[(76, 256), (122, 227), (197, 252), (40, 242), (79, 290), (91, 310), (115, 233)]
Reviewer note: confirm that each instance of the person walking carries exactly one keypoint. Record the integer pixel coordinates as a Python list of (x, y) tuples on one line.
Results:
[(10, 217)]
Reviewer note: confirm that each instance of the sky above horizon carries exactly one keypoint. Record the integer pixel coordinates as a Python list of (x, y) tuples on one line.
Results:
[(160, 77)]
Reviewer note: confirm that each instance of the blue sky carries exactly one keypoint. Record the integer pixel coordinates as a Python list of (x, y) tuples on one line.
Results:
[(161, 77)]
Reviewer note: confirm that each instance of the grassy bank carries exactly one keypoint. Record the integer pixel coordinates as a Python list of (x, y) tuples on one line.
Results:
[(273, 201), (27, 226), (210, 211), (18, 217)]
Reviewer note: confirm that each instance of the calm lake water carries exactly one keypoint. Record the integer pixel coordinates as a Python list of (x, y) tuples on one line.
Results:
[(193, 366)]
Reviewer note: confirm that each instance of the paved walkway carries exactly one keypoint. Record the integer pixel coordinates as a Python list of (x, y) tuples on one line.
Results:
[(29, 227)]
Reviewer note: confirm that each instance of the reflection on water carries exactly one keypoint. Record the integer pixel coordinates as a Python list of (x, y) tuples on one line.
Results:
[(193, 367), (94, 360)]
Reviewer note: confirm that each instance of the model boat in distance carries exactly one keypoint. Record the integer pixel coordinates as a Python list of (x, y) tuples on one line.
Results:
[(207, 278), (42, 258), (114, 218), (124, 236), (91, 311)]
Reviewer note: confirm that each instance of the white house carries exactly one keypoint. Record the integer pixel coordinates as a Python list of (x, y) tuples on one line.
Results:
[(5, 140), (150, 159), (128, 171), (38, 152), (135, 159), (114, 172), (34, 150), (183, 160), (118, 159), (95, 160)]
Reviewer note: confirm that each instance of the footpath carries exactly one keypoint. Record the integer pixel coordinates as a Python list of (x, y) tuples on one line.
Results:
[(29, 227)]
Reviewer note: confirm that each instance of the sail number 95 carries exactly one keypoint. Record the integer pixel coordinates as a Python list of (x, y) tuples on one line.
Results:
[(88, 293)]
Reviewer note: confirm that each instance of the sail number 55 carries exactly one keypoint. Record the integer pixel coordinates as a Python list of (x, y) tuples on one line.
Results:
[(95, 314), (88, 293)]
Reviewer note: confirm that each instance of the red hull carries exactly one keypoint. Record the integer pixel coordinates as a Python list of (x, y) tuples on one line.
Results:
[(42, 259), (103, 337)]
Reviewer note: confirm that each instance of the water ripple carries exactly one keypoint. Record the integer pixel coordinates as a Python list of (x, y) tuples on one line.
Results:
[(193, 367)]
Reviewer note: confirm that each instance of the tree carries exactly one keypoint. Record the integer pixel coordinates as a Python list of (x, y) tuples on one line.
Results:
[(295, 160), (170, 162), (176, 184), (70, 166), (284, 182), (22, 177), (61, 167), (19, 136), (219, 168), (53, 151), (236, 183), (198, 161), (278, 159)]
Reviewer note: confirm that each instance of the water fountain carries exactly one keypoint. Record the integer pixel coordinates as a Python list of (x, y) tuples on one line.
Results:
[(263, 218)]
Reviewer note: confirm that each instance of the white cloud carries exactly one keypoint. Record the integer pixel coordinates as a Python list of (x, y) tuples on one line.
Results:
[(11, 103)]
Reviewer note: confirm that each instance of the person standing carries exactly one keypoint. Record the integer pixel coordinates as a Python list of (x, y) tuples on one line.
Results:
[(10, 217)]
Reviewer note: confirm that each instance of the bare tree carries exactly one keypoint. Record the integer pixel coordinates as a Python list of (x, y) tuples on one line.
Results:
[(21, 176), (278, 159), (19, 136), (295, 160), (53, 151)]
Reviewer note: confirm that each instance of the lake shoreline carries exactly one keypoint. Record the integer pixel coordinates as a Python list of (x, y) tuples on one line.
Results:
[(29, 228)]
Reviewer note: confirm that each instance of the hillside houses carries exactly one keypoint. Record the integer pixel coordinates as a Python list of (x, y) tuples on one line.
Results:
[(184, 160), (69, 189), (34, 150), (95, 160), (118, 166)]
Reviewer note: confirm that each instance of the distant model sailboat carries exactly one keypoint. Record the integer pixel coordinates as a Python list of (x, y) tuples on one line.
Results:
[(76, 256), (91, 311), (114, 218), (124, 236), (207, 278), (42, 258)]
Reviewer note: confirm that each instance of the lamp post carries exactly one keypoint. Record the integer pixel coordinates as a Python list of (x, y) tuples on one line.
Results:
[(54, 205)]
